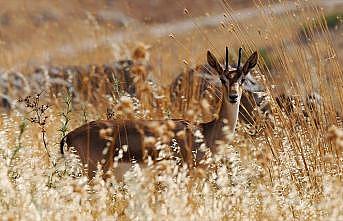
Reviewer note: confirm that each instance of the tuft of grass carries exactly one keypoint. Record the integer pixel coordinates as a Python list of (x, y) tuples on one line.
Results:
[(334, 20)]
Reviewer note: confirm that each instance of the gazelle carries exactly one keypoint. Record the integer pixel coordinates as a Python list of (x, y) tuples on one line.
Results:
[(200, 84), (89, 140)]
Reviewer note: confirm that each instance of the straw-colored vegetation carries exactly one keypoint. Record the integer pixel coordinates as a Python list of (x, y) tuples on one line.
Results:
[(290, 169)]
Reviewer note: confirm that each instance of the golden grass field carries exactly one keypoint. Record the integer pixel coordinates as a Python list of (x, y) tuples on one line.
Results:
[(290, 169)]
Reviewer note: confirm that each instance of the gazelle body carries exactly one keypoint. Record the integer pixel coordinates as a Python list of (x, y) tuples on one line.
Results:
[(89, 140)]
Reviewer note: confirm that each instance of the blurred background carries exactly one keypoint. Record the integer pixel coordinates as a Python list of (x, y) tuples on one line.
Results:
[(82, 32)]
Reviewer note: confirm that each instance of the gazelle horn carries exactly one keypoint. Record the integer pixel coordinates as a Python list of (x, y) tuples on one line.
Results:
[(239, 59), (227, 59)]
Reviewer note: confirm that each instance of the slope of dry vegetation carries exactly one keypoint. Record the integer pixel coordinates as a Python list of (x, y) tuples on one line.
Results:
[(290, 170)]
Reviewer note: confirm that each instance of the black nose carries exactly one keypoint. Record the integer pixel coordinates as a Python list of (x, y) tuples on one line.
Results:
[(233, 97)]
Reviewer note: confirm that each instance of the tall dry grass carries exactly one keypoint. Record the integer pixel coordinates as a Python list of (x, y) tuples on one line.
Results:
[(291, 170)]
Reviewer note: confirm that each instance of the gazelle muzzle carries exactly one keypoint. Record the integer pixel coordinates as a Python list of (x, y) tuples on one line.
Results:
[(234, 93)]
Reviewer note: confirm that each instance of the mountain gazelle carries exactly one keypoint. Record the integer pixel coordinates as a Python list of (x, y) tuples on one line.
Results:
[(200, 89), (140, 136)]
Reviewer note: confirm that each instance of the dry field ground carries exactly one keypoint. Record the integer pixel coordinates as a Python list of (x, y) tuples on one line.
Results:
[(289, 168)]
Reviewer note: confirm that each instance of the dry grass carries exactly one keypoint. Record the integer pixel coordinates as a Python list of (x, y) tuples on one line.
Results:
[(291, 170), (32, 34)]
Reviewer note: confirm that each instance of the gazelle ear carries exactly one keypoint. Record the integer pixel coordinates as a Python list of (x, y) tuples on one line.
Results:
[(213, 62), (251, 63)]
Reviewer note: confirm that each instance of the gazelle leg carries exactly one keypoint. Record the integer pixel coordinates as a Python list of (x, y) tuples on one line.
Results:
[(188, 146)]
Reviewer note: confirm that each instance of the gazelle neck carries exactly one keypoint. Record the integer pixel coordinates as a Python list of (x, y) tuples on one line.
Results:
[(213, 130)]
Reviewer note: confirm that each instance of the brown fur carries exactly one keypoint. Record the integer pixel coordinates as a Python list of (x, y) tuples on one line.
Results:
[(89, 140)]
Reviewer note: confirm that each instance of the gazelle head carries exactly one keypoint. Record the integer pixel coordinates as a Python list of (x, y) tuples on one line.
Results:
[(232, 78)]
